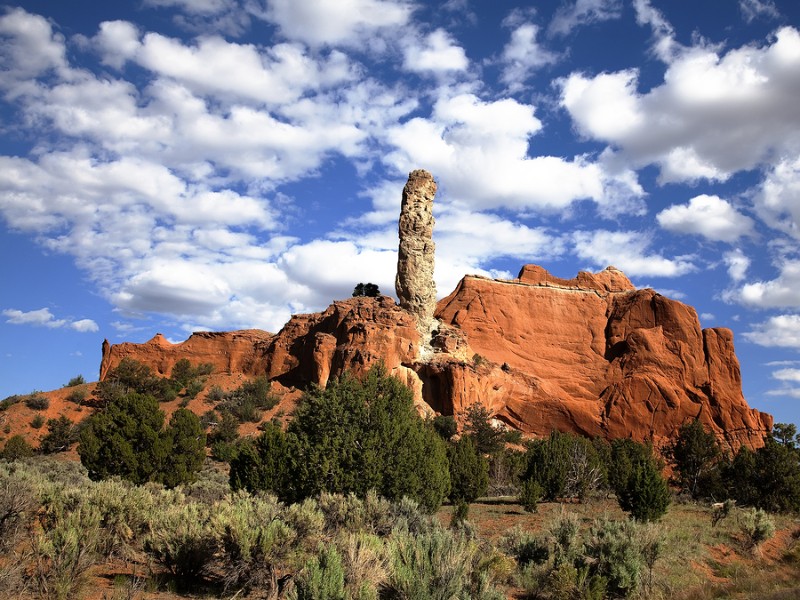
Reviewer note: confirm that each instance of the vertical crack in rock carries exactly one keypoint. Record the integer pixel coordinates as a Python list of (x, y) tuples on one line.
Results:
[(414, 283)]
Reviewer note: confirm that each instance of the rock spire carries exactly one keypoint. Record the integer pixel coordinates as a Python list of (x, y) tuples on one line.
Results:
[(414, 283)]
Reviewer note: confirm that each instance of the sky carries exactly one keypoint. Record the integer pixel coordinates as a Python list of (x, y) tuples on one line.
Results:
[(180, 165)]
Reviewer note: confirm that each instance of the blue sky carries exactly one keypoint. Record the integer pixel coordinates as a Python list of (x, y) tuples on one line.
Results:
[(176, 165)]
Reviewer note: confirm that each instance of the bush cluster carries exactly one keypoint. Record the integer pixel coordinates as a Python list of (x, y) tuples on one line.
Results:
[(353, 436), (332, 546), (767, 478)]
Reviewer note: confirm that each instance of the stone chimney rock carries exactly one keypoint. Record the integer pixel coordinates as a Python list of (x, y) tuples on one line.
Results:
[(414, 283)]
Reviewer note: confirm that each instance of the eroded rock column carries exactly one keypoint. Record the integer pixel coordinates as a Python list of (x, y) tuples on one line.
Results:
[(414, 283)]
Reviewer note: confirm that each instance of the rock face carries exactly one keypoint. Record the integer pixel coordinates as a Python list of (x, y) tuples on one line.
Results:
[(230, 352), (414, 283), (591, 355)]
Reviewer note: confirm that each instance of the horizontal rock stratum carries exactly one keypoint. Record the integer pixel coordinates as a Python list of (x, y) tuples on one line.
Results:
[(592, 355)]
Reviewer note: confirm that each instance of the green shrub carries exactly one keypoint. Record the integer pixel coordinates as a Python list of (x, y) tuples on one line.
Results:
[(131, 376), (37, 421), (186, 441), (128, 439), (18, 503), (564, 532), (257, 546), (61, 434), (16, 447), (768, 478), (505, 472), (645, 495), (694, 452), (248, 402), (353, 436), (564, 465), (445, 426), (215, 394), (37, 402), (525, 548), (469, 471), (365, 565), (77, 396), (757, 527), (432, 566), (181, 541), (64, 551), (530, 493), (478, 425), (322, 578), (125, 511), (77, 380), (611, 555)]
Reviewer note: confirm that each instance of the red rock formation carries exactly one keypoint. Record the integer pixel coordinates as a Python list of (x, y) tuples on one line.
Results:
[(228, 352), (591, 355)]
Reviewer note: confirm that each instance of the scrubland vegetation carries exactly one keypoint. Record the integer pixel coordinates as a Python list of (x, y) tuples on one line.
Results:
[(360, 498)]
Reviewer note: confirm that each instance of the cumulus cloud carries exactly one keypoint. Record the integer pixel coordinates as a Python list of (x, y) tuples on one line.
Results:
[(583, 12), (523, 55), (709, 216), (436, 53), (331, 22), (467, 138), (30, 47), (781, 331), (737, 263), (776, 198), (629, 252), (44, 318), (714, 114), (781, 292)]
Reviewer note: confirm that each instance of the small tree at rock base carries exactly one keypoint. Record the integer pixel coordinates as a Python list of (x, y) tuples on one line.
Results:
[(645, 494), (469, 471), (694, 452)]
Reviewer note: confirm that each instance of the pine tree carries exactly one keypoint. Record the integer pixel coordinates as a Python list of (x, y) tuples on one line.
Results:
[(645, 494), (469, 471)]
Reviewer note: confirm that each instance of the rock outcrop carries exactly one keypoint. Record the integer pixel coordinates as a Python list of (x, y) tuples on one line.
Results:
[(591, 355), (414, 282), (232, 352)]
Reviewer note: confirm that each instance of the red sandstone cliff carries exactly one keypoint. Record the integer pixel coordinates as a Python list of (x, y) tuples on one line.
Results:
[(591, 355)]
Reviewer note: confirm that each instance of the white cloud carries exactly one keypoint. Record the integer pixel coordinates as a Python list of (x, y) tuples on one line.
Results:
[(737, 264), (436, 53), (776, 200), (709, 216), (754, 9), (629, 252), (337, 21), (583, 12), (44, 318), (522, 56), (84, 326), (781, 292), (715, 114), (279, 74), (30, 47), (480, 149), (117, 42), (203, 7), (787, 375), (781, 331)]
